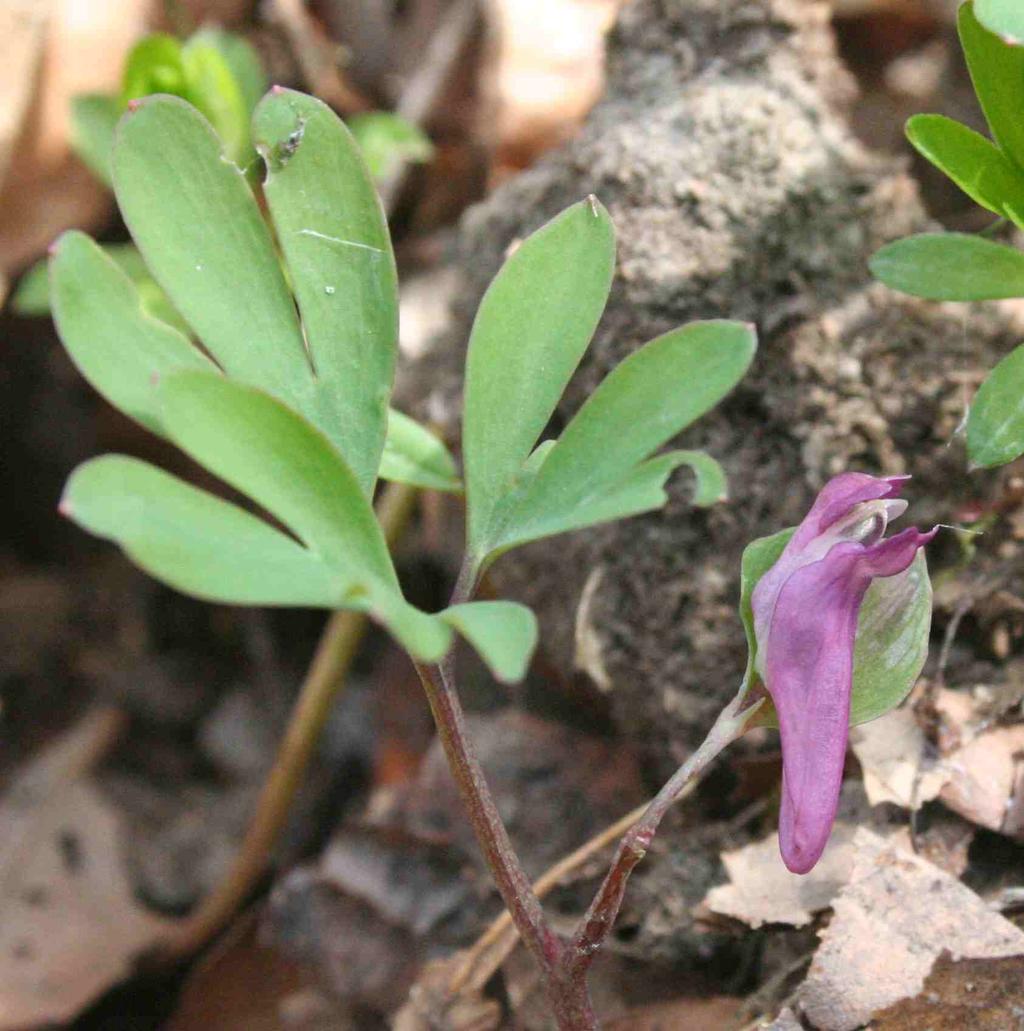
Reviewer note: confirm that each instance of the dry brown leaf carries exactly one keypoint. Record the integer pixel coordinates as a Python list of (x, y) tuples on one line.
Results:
[(70, 927), (893, 754), (985, 764), (22, 31), (980, 994), (46, 188), (762, 891), (892, 920)]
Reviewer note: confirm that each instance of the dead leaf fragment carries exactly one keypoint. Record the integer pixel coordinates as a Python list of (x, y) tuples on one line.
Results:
[(980, 994), (893, 754), (69, 924), (891, 922), (762, 891)]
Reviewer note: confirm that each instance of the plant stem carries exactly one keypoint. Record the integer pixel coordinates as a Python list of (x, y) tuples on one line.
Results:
[(596, 923), (333, 656), (491, 834), (571, 1013), (492, 948)]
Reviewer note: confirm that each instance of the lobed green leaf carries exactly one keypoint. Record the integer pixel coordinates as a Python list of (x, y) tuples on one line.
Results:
[(950, 267), (335, 240), (273, 455), (193, 541), (646, 400), (412, 454), (116, 344), (995, 423), (154, 65), (212, 88), (388, 141), (531, 330)]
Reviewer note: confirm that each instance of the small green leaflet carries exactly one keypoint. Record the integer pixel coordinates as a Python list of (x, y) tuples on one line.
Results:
[(196, 542), (335, 240), (997, 71), (503, 632), (950, 267), (892, 632), (973, 162), (388, 141), (995, 423), (412, 454)]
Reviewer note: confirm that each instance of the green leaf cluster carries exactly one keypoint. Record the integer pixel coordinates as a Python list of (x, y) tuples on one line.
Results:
[(277, 384), (892, 632), (217, 72), (958, 266), (273, 365)]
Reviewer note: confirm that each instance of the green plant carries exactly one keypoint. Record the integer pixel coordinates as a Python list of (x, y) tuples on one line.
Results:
[(959, 266), (222, 76), (276, 380)]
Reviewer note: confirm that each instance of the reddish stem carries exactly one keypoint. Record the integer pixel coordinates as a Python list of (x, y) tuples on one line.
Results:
[(597, 922)]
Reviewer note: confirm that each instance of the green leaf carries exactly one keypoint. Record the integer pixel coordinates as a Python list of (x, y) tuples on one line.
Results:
[(758, 557), (241, 58), (892, 632), (154, 65), (93, 121), (335, 240), (199, 229), (116, 345), (892, 641), (265, 450), (32, 297), (950, 267), (193, 541), (412, 454), (531, 330), (504, 634), (212, 88), (646, 400), (642, 490), (995, 423), (1003, 17), (389, 141), (973, 162), (262, 448), (997, 71)]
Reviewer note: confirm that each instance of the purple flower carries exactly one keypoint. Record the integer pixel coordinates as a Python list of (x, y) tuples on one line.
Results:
[(805, 621)]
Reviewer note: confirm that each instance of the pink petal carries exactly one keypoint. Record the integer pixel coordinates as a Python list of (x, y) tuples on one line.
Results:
[(809, 674), (837, 497)]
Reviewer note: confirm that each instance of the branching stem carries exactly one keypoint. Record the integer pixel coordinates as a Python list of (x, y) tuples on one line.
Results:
[(564, 965)]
